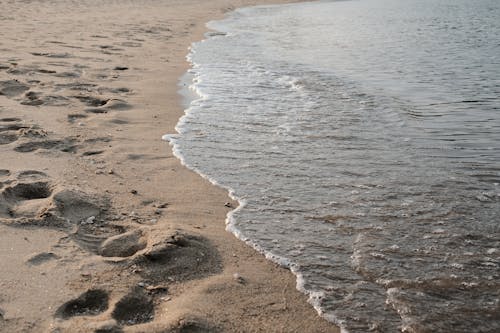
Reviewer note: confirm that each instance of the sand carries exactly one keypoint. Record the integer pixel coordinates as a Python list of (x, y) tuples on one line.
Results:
[(101, 228)]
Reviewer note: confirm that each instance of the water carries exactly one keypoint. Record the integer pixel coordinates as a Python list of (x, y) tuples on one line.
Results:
[(362, 139)]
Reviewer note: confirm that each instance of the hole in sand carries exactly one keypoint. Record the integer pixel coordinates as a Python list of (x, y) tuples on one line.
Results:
[(90, 303), (134, 308)]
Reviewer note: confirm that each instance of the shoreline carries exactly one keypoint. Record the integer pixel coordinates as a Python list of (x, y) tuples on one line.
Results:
[(95, 211)]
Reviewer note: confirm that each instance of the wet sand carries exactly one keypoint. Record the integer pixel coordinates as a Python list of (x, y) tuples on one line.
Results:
[(101, 228)]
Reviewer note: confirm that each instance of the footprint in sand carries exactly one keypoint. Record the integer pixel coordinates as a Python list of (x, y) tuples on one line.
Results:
[(92, 152), (108, 327), (118, 121), (6, 138), (27, 191), (67, 145), (91, 100), (89, 214), (194, 325), (12, 88), (31, 199), (76, 86), (91, 236), (119, 91), (29, 70), (131, 44), (137, 307), (24, 200), (3, 174), (31, 175), (46, 71), (17, 70), (76, 116), (41, 258), (177, 256), (106, 49), (9, 120), (33, 98), (99, 139), (85, 87), (90, 303), (134, 308), (9, 130), (77, 206), (111, 105), (12, 130), (124, 245), (70, 75), (9, 126), (51, 55)]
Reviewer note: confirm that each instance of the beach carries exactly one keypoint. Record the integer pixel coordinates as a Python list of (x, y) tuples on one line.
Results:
[(101, 227)]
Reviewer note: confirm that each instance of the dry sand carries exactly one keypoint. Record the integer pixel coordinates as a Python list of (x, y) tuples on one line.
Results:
[(101, 228)]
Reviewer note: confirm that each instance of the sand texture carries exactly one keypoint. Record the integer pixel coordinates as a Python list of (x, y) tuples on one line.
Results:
[(101, 228)]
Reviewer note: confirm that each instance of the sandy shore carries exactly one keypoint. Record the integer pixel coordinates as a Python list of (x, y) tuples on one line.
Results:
[(101, 228)]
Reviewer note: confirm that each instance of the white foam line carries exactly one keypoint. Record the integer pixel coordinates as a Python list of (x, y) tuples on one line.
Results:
[(314, 297)]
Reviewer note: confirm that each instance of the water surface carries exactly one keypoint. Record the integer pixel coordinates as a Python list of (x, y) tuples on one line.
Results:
[(362, 139)]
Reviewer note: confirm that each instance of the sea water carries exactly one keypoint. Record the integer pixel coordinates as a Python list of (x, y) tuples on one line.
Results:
[(362, 139)]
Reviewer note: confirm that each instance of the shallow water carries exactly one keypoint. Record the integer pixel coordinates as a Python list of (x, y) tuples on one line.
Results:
[(363, 140)]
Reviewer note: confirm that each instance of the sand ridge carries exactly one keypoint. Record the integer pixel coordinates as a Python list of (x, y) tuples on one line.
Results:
[(101, 228)]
